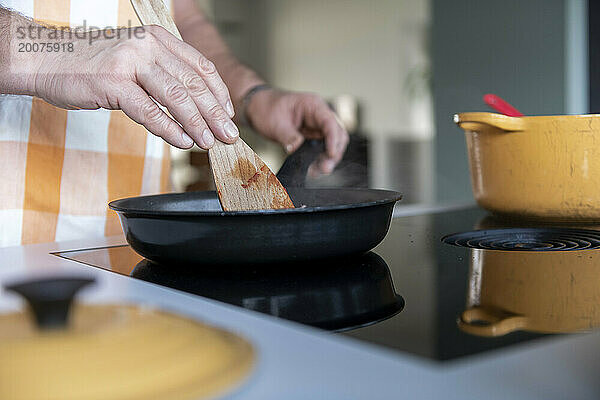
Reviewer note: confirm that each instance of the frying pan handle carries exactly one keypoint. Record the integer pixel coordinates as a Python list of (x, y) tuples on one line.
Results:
[(477, 121), (489, 322), (294, 169)]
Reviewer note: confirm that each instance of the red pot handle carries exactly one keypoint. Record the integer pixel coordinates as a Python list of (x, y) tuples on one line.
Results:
[(501, 105)]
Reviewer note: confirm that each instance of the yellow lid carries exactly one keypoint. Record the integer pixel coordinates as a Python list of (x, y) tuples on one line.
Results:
[(119, 352)]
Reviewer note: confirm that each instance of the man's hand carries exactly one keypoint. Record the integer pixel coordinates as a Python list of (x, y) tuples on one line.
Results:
[(134, 73), (289, 118)]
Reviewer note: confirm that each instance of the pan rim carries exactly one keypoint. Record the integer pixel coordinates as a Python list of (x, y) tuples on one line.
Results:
[(115, 205)]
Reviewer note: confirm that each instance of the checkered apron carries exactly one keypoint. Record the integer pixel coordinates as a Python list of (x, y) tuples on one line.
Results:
[(59, 168)]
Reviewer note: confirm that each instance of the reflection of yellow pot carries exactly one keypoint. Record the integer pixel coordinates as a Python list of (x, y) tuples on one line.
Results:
[(546, 292), (539, 167)]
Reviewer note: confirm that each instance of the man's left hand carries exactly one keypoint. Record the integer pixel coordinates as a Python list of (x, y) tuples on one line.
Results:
[(290, 117)]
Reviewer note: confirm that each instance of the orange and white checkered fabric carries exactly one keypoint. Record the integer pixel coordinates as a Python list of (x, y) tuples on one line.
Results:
[(58, 168)]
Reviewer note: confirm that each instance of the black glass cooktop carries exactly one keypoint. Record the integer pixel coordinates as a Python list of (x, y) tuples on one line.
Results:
[(495, 284)]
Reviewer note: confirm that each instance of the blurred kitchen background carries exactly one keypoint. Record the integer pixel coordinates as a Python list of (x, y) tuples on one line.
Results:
[(397, 70)]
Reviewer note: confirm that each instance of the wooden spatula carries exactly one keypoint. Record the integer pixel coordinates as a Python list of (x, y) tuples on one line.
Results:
[(243, 180)]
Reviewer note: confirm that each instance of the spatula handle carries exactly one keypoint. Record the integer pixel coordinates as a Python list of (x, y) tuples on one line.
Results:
[(154, 12)]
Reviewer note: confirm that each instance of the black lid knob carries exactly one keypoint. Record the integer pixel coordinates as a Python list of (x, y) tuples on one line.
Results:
[(50, 299)]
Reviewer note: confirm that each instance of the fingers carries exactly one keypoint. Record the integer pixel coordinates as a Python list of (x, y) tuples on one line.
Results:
[(291, 139), (183, 86), (201, 65), (318, 116), (336, 137), (172, 94), (189, 90), (138, 106)]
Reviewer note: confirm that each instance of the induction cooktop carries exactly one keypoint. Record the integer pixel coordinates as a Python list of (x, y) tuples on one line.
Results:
[(442, 286)]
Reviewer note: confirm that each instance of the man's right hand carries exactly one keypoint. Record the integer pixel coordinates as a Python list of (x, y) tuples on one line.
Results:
[(133, 74)]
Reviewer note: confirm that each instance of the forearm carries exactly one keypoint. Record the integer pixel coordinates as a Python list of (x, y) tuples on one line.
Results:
[(17, 69), (198, 31)]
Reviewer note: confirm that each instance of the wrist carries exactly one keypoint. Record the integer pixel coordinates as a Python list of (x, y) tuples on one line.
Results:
[(26, 64), (62, 62), (17, 68), (249, 99), (25, 78), (239, 89)]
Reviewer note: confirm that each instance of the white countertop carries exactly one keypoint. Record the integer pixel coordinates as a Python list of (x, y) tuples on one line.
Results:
[(298, 362)]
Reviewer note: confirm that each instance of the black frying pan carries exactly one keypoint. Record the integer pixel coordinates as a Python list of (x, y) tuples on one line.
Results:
[(192, 228)]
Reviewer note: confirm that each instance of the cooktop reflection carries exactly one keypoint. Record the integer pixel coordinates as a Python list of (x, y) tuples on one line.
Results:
[(481, 290), (336, 294)]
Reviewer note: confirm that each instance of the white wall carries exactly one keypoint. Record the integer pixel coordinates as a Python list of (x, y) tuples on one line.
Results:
[(358, 47), (362, 48)]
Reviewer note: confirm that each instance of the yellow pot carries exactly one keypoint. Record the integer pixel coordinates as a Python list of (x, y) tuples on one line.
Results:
[(547, 292), (536, 167)]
